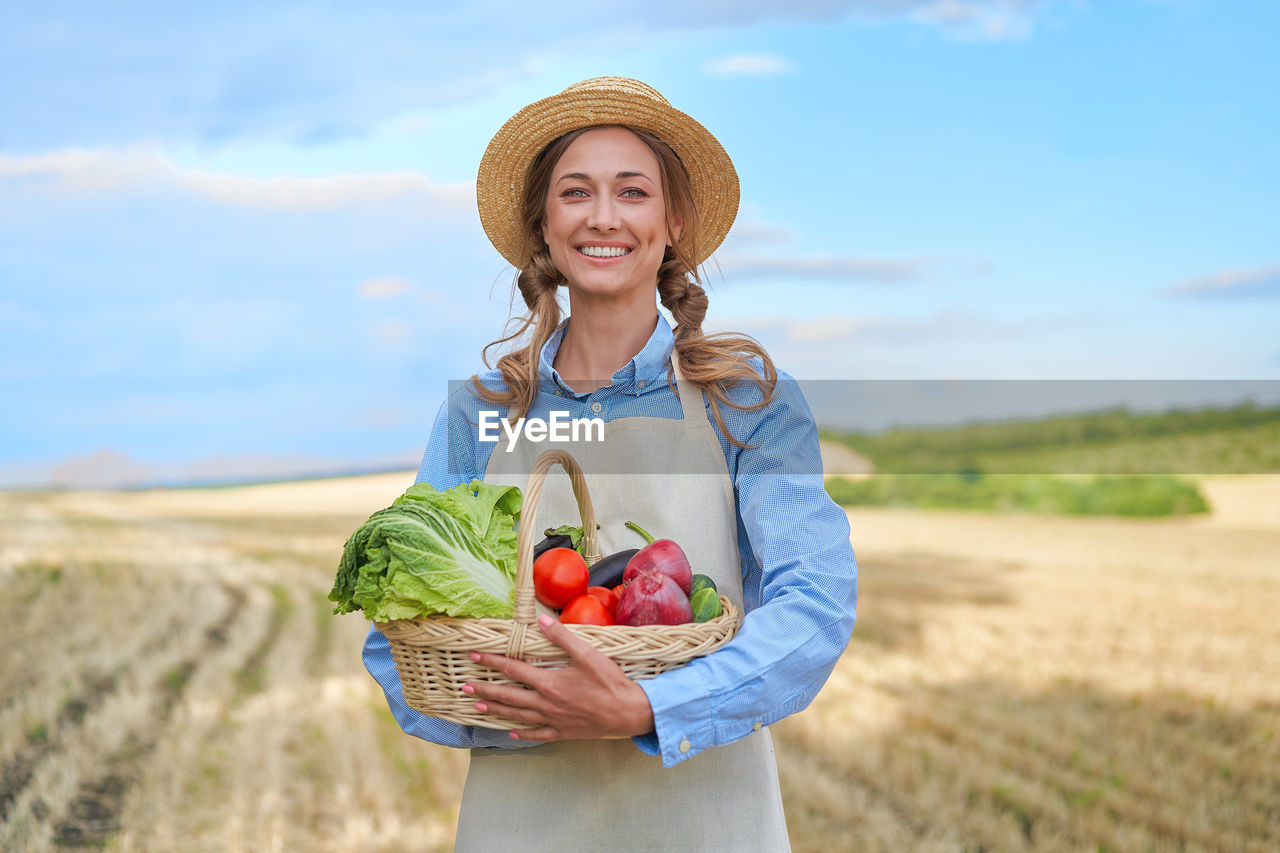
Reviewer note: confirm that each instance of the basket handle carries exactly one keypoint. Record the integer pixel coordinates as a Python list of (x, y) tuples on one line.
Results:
[(528, 535)]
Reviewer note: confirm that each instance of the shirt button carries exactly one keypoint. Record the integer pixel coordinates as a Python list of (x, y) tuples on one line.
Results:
[(596, 407), (757, 725), (640, 383), (684, 745)]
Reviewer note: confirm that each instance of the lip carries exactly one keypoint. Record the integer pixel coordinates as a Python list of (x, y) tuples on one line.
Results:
[(604, 245)]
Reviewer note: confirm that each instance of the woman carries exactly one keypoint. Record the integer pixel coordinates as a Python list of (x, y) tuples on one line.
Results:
[(609, 192)]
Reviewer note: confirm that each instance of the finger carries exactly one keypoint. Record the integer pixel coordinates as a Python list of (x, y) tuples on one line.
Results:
[(512, 712), (523, 672), (508, 694), (582, 654), (580, 651), (542, 734)]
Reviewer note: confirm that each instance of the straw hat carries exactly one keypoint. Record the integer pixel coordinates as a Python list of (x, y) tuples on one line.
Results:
[(504, 169)]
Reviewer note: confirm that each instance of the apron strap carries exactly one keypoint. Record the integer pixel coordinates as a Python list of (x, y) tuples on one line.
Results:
[(690, 395)]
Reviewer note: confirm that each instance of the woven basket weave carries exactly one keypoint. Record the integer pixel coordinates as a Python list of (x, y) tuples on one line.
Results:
[(433, 653)]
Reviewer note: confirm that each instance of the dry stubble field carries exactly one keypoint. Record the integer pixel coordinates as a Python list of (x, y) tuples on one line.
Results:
[(171, 679)]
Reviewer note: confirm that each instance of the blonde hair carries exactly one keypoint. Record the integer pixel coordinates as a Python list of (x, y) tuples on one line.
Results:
[(711, 362)]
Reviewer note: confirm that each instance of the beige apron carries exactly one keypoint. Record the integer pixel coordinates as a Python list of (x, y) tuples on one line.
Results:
[(592, 795)]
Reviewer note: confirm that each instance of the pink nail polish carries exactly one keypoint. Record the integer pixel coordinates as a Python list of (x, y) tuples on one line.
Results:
[(514, 736), (544, 620), (481, 707), (467, 688), (475, 656)]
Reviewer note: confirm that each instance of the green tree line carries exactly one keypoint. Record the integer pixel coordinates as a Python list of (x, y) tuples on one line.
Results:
[(1240, 439)]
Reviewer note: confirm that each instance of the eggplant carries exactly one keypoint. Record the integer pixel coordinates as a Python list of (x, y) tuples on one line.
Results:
[(607, 571), (562, 540)]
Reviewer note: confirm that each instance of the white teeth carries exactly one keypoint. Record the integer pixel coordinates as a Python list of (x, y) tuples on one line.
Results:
[(603, 251)]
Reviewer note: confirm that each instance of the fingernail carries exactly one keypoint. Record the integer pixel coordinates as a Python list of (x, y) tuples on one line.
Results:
[(544, 620), (467, 688), (475, 656), (514, 736), (481, 707)]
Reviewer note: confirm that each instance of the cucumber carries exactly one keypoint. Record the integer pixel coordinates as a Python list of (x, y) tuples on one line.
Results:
[(700, 582), (705, 604)]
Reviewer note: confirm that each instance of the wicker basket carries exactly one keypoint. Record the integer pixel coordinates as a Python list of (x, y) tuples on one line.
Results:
[(433, 653)]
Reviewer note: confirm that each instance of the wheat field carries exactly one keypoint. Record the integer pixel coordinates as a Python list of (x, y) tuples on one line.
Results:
[(171, 679)]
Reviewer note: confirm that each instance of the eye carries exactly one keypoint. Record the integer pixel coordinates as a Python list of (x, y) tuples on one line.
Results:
[(574, 192), (634, 192)]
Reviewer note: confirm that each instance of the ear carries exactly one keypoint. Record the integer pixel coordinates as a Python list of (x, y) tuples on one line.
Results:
[(673, 230)]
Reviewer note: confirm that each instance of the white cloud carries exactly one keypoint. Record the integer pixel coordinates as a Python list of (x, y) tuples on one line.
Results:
[(332, 191), (385, 288), (195, 75), (749, 64), (836, 328), (819, 329), (391, 334), (81, 171), (1263, 281), (755, 233), (86, 171), (947, 342), (840, 267), (994, 20), (741, 266)]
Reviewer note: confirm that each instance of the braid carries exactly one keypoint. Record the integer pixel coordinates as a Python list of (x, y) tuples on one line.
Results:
[(711, 363), (538, 283), (538, 279), (684, 298)]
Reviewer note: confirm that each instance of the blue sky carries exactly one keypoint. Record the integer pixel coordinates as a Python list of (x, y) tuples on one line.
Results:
[(241, 239)]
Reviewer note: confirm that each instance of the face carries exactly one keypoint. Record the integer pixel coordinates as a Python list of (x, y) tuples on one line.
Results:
[(606, 222)]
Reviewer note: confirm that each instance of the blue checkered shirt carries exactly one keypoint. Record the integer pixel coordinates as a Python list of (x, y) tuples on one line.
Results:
[(799, 576)]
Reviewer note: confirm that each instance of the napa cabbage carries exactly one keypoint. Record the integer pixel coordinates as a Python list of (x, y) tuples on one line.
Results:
[(433, 552)]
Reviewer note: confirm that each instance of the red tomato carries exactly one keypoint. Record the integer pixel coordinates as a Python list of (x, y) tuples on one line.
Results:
[(559, 576), (605, 596), (586, 610)]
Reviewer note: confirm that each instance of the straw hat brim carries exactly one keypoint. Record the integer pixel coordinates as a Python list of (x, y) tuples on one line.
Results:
[(500, 184)]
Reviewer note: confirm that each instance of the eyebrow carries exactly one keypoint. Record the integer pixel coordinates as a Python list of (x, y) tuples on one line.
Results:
[(582, 176)]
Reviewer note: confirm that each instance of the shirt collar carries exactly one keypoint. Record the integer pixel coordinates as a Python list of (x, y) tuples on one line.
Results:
[(648, 369)]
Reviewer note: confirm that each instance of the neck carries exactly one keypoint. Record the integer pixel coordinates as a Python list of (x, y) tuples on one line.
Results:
[(598, 343)]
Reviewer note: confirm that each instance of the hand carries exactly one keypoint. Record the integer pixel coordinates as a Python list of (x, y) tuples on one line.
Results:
[(590, 698)]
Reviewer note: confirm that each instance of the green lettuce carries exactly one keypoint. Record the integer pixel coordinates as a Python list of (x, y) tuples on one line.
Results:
[(431, 553)]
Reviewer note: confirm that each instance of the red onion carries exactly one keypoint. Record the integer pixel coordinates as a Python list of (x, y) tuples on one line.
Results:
[(653, 598), (663, 556)]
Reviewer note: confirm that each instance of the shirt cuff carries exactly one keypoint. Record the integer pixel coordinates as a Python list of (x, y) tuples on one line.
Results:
[(683, 719)]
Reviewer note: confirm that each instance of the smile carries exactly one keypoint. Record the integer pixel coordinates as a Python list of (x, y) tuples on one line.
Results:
[(603, 251)]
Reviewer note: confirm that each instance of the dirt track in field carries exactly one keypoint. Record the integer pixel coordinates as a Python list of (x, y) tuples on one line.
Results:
[(172, 680)]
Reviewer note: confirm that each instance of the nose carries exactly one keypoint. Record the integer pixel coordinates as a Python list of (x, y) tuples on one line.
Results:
[(603, 215)]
